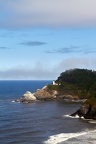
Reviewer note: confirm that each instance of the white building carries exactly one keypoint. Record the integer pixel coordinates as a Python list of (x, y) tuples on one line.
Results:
[(54, 83)]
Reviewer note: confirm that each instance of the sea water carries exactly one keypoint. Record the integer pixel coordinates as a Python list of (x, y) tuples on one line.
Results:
[(40, 123)]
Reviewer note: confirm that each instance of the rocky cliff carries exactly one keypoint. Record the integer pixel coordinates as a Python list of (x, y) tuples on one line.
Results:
[(87, 110)]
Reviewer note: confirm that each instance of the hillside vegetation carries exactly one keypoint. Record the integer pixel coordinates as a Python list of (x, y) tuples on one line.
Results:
[(81, 82), (91, 101)]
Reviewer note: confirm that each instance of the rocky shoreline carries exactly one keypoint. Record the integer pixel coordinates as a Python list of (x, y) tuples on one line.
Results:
[(28, 97), (44, 95), (88, 111), (39, 95)]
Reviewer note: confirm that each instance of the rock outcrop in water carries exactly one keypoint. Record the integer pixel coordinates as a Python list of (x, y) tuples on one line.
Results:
[(39, 95), (88, 110), (28, 97), (45, 95)]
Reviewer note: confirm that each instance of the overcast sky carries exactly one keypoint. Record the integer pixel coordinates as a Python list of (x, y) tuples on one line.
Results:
[(39, 39)]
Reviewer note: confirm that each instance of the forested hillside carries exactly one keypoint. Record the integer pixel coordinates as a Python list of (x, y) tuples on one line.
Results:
[(81, 82)]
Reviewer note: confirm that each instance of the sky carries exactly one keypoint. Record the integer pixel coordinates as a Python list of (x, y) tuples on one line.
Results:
[(39, 39)]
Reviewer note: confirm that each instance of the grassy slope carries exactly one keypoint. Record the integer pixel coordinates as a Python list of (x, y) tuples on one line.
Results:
[(91, 101)]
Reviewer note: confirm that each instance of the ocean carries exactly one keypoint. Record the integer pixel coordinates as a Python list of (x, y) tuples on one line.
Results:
[(42, 122)]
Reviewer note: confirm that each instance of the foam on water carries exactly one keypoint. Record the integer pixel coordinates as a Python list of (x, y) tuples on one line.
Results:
[(71, 116), (82, 117), (55, 139), (89, 120), (87, 137), (13, 101), (92, 121)]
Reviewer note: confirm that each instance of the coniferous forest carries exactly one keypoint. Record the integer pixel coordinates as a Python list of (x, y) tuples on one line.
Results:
[(81, 82)]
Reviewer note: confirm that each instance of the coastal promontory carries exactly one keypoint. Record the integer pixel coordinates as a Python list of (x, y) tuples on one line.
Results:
[(75, 85)]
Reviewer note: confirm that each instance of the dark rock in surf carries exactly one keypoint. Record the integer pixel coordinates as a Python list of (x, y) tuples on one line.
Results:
[(87, 111)]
